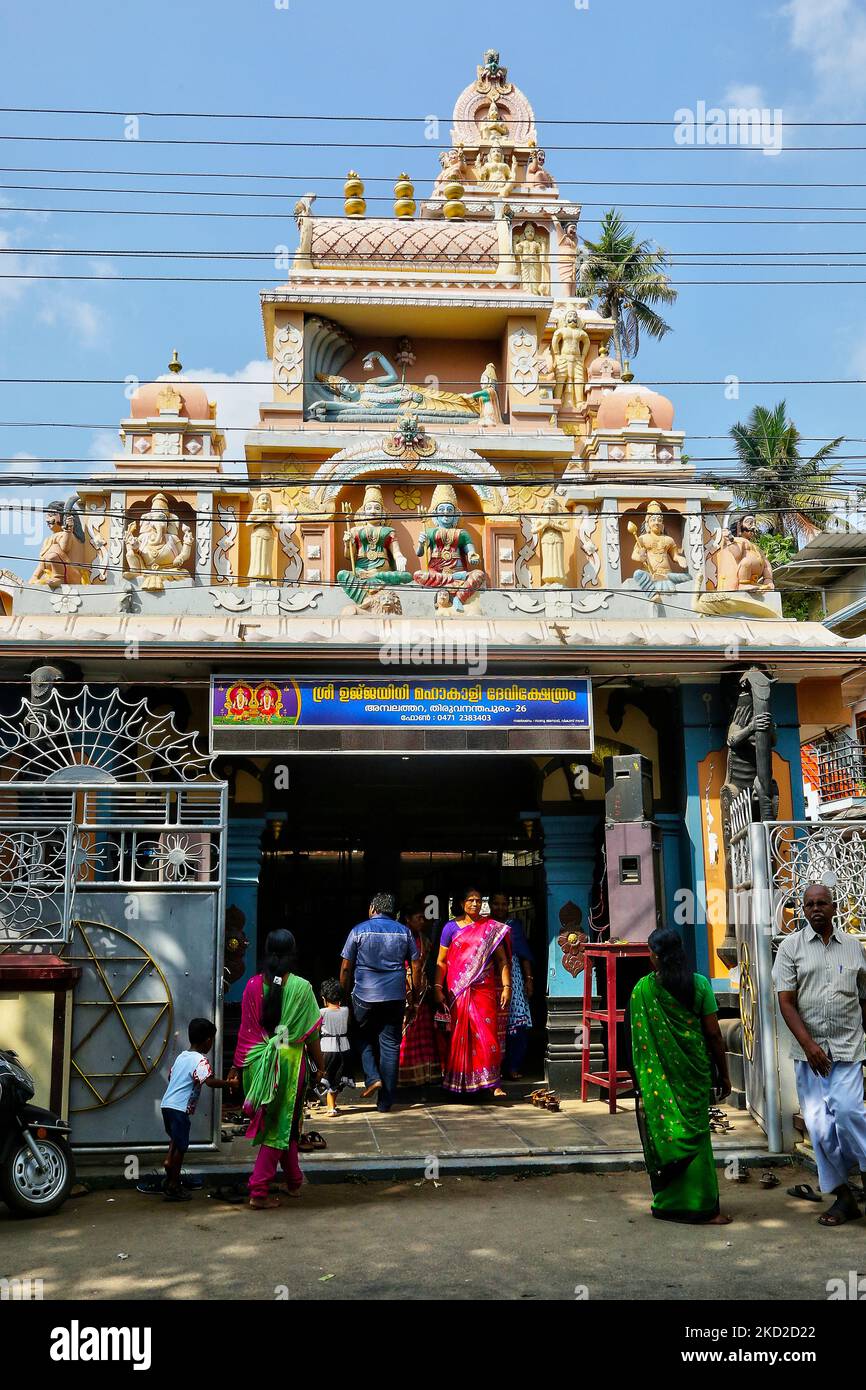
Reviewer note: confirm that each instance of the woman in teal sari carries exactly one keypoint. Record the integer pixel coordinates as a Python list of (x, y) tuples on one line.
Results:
[(674, 1034), (280, 1021)]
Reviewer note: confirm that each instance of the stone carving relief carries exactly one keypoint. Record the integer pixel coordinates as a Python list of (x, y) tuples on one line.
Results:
[(94, 519), (288, 356), (585, 539), (228, 519)]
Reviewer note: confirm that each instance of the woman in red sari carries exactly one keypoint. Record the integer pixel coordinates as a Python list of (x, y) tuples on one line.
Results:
[(473, 978)]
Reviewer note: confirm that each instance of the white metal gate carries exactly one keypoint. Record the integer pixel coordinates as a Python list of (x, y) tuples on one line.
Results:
[(112, 854), (772, 864)]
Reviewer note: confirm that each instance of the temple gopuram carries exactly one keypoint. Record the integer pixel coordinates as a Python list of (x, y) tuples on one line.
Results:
[(469, 615)]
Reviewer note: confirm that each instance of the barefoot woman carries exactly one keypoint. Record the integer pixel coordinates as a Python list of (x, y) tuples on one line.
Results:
[(473, 976), (674, 1033)]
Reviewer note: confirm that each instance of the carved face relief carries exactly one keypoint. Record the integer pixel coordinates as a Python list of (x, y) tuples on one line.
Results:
[(373, 510)]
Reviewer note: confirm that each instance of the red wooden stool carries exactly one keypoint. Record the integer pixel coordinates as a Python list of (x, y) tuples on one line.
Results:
[(613, 1080)]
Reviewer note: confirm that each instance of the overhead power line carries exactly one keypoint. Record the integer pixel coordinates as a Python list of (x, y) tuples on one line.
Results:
[(387, 120), (389, 179)]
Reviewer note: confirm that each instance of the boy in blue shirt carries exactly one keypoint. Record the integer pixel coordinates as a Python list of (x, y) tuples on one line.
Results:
[(189, 1072)]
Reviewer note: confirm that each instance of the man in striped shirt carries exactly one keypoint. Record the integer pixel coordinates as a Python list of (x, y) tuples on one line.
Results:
[(820, 977)]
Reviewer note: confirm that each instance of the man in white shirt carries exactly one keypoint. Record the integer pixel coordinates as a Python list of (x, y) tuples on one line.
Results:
[(820, 977)]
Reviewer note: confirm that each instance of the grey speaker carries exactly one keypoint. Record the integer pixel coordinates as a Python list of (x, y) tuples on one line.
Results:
[(628, 788), (635, 882)]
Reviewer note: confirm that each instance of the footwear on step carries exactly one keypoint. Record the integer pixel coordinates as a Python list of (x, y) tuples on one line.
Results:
[(264, 1203)]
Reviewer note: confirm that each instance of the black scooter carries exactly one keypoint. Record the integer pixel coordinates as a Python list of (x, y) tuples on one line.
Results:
[(36, 1166)]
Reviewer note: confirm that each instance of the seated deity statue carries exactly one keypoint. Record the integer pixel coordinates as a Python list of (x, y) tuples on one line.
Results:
[(495, 170), (61, 555), (657, 553), (375, 558), (451, 563), (742, 565), (157, 547), (386, 396)]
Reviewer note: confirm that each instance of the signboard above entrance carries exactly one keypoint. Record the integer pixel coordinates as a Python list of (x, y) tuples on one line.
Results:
[(505, 714)]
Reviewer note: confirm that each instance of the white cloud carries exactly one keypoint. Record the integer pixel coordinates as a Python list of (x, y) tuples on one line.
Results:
[(82, 319), (832, 33), (744, 94), (237, 405)]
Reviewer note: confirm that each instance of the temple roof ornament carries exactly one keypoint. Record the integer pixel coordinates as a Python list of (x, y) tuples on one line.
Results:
[(491, 89), (445, 458)]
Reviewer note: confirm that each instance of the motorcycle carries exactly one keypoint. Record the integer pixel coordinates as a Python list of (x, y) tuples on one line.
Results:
[(36, 1166)]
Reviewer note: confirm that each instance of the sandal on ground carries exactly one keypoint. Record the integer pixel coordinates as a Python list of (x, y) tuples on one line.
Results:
[(264, 1203), (311, 1139), (769, 1179), (551, 1101), (841, 1212), (228, 1192), (805, 1192)]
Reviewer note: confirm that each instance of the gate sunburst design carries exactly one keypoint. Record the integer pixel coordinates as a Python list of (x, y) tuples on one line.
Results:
[(124, 1027), (104, 736)]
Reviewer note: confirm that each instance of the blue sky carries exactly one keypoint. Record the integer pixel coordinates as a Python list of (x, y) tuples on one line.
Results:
[(627, 59)]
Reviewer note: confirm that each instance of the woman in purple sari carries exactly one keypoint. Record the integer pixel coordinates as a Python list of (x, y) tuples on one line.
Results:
[(472, 958)]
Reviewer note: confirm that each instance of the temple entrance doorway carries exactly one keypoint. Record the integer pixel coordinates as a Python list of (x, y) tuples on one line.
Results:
[(427, 827)]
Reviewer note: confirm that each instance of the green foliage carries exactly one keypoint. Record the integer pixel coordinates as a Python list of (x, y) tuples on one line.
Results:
[(626, 277), (779, 550), (786, 491)]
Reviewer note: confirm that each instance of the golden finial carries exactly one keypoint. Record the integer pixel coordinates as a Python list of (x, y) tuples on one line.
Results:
[(175, 365), (454, 206), (404, 197), (353, 192), (627, 373)]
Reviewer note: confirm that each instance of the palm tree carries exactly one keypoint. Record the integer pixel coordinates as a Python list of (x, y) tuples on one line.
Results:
[(627, 277), (787, 491)]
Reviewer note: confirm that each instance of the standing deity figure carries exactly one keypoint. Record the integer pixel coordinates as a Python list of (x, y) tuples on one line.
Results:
[(262, 519), (157, 546), (451, 562), (488, 395), (536, 174), (375, 557), (568, 259), (657, 553), (61, 555), (751, 737), (741, 564), (529, 252), (569, 349), (549, 531)]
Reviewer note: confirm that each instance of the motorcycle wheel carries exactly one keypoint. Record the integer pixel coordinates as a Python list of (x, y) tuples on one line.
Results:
[(25, 1190)]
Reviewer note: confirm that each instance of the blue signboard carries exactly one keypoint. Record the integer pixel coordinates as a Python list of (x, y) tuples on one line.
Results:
[(501, 703)]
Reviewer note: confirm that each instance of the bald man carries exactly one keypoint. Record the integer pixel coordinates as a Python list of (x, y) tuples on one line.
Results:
[(820, 977)]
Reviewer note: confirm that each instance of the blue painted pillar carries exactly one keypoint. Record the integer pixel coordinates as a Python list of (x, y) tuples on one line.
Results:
[(705, 727), (569, 863), (677, 872), (242, 887)]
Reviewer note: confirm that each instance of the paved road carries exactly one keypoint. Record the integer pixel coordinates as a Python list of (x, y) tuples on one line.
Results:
[(504, 1238)]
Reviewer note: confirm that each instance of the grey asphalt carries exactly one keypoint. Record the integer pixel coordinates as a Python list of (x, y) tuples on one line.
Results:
[(576, 1235)]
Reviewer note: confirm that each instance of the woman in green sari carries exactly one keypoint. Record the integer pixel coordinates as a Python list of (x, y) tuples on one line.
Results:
[(280, 1021), (674, 1035)]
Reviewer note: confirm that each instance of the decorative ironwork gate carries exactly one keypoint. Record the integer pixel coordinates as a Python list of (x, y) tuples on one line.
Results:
[(112, 853), (772, 864)]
